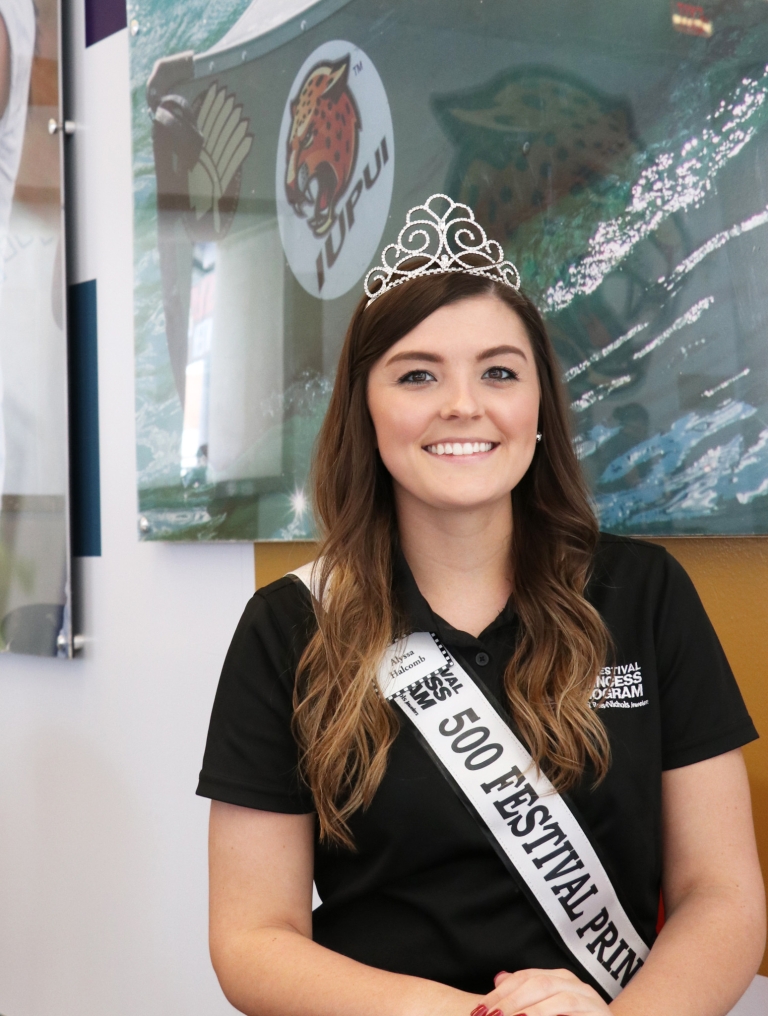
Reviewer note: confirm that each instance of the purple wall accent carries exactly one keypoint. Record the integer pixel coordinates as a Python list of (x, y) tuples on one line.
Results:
[(103, 18)]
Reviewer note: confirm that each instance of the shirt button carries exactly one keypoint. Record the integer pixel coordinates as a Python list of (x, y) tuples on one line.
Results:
[(482, 659)]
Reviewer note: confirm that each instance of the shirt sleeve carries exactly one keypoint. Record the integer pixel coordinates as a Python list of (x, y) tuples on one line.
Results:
[(251, 757), (702, 711)]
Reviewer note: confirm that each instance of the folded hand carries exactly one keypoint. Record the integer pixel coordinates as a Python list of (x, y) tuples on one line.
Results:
[(541, 993)]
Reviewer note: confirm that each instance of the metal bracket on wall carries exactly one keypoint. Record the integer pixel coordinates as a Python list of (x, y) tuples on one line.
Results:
[(67, 126), (78, 642)]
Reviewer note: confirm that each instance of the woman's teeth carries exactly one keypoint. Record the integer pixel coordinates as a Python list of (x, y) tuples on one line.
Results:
[(456, 448)]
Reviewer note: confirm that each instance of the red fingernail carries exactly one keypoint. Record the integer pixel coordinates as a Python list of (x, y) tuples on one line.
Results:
[(481, 1010), (497, 1012)]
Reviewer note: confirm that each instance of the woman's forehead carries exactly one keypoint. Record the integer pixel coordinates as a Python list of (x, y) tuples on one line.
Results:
[(466, 328)]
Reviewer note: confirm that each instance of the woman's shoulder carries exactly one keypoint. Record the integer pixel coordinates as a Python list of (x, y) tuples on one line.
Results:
[(279, 608), (251, 757), (628, 551), (627, 563), (274, 629), (288, 591)]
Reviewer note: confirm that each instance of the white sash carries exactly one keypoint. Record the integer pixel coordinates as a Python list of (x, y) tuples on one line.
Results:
[(531, 825)]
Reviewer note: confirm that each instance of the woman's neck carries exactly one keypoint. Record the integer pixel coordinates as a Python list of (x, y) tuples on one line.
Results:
[(460, 560)]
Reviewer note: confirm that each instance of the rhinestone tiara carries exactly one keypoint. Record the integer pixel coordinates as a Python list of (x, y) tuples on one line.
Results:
[(442, 243)]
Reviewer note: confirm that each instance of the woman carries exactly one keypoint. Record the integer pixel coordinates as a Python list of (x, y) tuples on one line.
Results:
[(590, 652)]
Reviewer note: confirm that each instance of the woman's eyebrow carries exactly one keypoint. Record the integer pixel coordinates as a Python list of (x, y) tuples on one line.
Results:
[(414, 354), (498, 351)]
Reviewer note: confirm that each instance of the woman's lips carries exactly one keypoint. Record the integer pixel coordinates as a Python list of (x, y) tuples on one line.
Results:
[(460, 447)]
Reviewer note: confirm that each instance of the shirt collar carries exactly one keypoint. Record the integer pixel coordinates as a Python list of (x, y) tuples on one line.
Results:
[(419, 616)]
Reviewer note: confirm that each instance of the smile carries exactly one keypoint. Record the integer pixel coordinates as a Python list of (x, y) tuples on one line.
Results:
[(461, 448)]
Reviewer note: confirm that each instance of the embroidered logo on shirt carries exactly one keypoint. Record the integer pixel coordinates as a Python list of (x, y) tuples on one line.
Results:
[(619, 687)]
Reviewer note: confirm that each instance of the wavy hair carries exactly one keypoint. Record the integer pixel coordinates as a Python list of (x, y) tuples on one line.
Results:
[(344, 728)]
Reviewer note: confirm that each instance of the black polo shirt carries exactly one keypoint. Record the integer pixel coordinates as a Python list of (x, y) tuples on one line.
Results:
[(425, 893)]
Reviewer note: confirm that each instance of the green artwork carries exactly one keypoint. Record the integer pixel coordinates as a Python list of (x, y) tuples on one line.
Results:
[(616, 152)]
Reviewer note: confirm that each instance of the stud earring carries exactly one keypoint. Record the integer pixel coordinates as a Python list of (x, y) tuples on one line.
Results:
[(538, 437)]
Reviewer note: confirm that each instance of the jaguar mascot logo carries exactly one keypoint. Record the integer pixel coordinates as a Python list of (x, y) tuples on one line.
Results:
[(323, 143), (334, 168)]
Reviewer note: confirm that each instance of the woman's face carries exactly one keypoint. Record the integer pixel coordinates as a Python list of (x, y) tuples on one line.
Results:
[(455, 405)]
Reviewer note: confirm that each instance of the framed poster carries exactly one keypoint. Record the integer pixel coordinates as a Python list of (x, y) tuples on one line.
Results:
[(34, 461), (617, 151)]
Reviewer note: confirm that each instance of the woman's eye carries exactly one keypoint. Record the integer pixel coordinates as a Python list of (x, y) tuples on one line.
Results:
[(416, 377), (501, 374)]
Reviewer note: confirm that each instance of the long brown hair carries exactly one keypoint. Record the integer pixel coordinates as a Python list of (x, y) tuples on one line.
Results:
[(343, 726)]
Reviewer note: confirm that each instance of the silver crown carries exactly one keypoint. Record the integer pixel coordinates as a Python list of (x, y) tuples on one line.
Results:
[(450, 242)]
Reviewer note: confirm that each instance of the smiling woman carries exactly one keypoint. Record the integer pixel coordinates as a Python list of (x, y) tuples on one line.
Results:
[(491, 734), (458, 357), (455, 404)]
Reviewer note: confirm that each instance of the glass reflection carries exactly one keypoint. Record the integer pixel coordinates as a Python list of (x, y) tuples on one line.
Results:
[(34, 616), (618, 159)]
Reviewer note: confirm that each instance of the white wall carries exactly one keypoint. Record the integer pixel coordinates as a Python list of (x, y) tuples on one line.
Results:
[(103, 890)]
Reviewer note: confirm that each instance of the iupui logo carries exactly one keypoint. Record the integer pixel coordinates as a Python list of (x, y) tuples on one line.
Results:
[(322, 144), (335, 169)]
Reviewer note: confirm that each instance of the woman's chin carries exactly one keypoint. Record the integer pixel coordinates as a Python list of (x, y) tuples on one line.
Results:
[(461, 498)]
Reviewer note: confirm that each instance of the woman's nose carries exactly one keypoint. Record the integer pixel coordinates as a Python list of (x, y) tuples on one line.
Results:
[(460, 401)]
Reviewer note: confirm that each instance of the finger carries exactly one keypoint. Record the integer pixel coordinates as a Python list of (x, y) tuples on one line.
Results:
[(519, 977), (564, 1003), (518, 992), (503, 975)]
